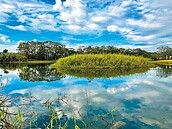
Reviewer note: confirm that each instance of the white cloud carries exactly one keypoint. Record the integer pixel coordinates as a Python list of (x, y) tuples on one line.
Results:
[(112, 28), (3, 17), (73, 28), (57, 5), (126, 3), (11, 48), (152, 21), (23, 18), (4, 38), (141, 38), (43, 22), (20, 27), (144, 23), (99, 19), (92, 26), (116, 11)]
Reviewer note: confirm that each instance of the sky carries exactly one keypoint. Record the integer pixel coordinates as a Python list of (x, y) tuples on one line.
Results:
[(144, 24)]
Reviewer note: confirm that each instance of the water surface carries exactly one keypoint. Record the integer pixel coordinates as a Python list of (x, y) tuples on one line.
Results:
[(137, 100)]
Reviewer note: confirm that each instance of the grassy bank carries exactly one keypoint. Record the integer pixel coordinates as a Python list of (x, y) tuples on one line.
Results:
[(163, 62), (102, 61), (41, 62), (31, 62)]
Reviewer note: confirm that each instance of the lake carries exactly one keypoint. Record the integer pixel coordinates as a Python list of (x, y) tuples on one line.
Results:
[(94, 99)]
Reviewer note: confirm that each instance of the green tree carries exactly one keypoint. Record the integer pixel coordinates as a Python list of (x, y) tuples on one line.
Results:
[(166, 51), (5, 51)]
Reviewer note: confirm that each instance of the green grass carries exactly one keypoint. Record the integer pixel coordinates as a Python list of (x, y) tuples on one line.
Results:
[(32, 62), (41, 62), (102, 61), (163, 62)]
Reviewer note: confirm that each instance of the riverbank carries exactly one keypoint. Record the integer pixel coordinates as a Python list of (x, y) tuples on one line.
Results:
[(31, 62), (163, 62)]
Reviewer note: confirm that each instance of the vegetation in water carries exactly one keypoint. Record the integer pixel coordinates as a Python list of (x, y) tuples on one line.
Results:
[(102, 61), (101, 73), (23, 111), (163, 62), (19, 112)]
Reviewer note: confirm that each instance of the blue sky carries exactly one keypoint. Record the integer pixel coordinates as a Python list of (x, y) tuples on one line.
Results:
[(146, 24)]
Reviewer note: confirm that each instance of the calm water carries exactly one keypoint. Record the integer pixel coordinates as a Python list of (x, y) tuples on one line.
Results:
[(139, 101)]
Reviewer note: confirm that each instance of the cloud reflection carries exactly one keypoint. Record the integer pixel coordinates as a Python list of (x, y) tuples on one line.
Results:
[(150, 91)]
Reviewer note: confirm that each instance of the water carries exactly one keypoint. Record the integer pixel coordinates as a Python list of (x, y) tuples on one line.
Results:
[(139, 99)]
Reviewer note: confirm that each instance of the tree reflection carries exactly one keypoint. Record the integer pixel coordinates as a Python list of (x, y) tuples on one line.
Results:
[(11, 66), (164, 71), (33, 73), (101, 73)]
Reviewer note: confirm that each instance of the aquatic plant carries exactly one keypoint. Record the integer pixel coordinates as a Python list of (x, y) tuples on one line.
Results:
[(24, 118)]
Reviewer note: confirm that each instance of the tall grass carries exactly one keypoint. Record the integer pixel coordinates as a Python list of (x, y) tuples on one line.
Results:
[(102, 61)]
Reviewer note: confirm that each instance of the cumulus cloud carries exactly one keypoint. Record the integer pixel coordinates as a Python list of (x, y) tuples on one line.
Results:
[(57, 5), (135, 20), (99, 19), (20, 27), (11, 48), (4, 38)]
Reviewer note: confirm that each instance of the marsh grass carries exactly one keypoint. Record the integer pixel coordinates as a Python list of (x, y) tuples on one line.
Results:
[(102, 65), (163, 62), (102, 61)]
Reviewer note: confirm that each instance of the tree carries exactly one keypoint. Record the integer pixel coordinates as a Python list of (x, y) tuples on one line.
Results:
[(5, 51), (166, 51), (47, 50)]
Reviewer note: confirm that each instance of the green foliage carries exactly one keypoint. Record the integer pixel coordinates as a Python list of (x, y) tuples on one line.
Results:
[(165, 51), (5, 51), (102, 61), (47, 50), (12, 57), (112, 50)]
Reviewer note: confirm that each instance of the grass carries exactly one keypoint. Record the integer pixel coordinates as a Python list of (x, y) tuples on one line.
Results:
[(26, 117), (102, 61), (32, 62), (163, 62), (41, 62)]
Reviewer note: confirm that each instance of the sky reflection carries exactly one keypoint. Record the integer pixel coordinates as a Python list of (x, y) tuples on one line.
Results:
[(144, 98)]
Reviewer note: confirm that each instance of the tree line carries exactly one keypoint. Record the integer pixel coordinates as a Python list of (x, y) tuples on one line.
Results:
[(49, 50)]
